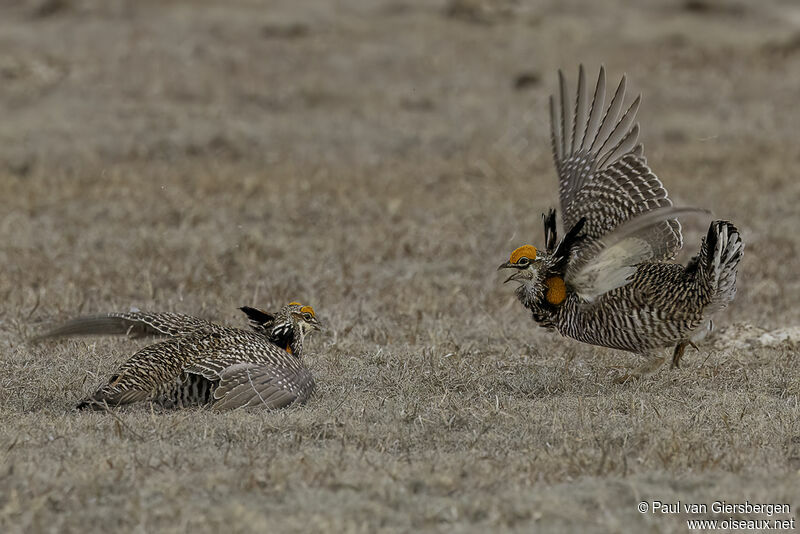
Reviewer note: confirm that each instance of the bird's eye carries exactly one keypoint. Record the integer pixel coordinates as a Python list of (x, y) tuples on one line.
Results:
[(523, 261), (307, 316)]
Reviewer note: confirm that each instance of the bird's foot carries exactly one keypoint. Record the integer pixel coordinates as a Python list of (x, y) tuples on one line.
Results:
[(650, 366), (627, 377), (622, 373), (625, 373), (680, 348)]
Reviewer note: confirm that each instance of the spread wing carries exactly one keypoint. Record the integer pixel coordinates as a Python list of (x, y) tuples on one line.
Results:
[(602, 171), (610, 261), (248, 384), (134, 324), (254, 372), (246, 367)]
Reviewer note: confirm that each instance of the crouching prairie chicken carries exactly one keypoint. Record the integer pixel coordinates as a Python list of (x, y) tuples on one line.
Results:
[(203, 363), (608, 282)]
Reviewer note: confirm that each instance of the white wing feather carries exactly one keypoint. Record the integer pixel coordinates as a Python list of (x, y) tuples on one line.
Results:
[(611, 268), (612, 260)]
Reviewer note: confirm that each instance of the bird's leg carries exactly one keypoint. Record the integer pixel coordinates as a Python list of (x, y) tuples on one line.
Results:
[(652, 362), (680, 348)]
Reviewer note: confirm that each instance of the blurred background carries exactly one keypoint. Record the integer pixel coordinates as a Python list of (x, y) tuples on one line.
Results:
[(149, 149), (378, 160)]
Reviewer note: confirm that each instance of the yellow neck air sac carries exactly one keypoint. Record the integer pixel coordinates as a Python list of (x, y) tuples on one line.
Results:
[(556, 290)]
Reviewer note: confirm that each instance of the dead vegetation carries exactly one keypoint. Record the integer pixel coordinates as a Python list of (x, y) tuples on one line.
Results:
[(178, 158)]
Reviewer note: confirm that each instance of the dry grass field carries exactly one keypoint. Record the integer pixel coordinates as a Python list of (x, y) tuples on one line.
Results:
[(378, 160)]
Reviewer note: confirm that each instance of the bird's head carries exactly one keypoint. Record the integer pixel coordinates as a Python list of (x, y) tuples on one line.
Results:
[(528, 265), (288, 327), (302, 317), (526, 262)]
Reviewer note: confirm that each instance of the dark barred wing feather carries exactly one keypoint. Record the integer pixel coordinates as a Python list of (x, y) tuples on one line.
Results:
[(603, 175), (610, 261), (249, 384), (253, 372), (134, 324)]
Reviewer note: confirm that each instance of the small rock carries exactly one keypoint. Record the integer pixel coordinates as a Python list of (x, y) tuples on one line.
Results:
[(781, 335), (747, 336)]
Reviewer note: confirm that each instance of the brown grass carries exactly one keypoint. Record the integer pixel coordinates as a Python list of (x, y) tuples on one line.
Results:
[(378, 163)]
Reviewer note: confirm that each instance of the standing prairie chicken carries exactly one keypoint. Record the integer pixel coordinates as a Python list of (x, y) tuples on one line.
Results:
[(608, 281), (203, 363)]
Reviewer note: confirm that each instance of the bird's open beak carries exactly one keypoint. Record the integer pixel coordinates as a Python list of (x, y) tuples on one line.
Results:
[(514, 275)]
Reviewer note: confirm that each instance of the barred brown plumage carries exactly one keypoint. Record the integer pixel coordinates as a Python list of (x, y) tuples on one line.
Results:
[(620, 291), (203, 363)]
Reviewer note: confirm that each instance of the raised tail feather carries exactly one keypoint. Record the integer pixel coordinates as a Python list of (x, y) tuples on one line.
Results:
[(550, 231), (260, 321), (718, 262)]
